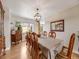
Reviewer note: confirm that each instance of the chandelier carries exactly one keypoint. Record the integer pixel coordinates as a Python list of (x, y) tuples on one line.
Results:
[(37, 16)]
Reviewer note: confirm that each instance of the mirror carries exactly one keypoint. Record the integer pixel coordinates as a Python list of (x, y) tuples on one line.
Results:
[(57, 25)]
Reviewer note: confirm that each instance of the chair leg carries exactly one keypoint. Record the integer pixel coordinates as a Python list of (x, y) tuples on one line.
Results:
[(43, 56), (4, 52)]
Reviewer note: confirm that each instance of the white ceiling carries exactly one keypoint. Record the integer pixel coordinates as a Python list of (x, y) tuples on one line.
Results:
[(26, 8)]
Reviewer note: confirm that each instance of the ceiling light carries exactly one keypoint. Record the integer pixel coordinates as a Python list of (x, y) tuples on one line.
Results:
[(37, 16)]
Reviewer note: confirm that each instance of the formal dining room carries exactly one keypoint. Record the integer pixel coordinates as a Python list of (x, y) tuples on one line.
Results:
[(39, 29)]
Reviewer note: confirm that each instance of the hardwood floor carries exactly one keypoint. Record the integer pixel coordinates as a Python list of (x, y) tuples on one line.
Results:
[(75, 56), (20, 51)]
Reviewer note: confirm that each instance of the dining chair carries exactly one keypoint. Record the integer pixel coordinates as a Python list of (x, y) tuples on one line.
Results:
[(52, 34), (66, 52), (36, 51), (27, 38), (45, 33), (29, 41)]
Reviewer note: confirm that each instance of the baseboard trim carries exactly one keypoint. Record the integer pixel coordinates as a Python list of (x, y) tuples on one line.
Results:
[(76, 52)]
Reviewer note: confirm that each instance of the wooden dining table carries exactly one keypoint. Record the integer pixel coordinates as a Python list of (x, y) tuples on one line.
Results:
[(53, 46)]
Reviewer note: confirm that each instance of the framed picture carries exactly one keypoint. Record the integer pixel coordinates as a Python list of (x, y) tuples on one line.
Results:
[(57, 25)]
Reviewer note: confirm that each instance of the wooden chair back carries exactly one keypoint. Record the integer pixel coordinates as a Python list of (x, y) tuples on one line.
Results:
[(52, 34), (36, 47), (45, 33), (71, 44), (27, 37), (31, 39), (36, 50), (66, 52)]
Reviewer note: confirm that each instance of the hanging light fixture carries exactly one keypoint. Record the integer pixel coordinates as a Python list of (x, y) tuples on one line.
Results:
[(37, 16)]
